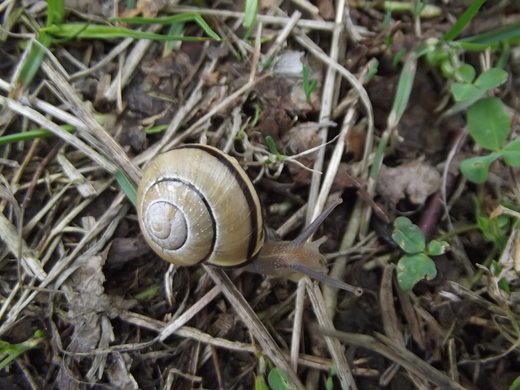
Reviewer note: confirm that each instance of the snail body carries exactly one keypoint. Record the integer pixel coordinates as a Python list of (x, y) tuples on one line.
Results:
[(195, 204)]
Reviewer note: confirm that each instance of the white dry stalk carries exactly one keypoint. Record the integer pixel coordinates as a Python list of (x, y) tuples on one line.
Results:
[(325, 112), (318, 305), (336, 349), (354, 82), (121, 47), (108, 221), (337, 154), (132, 62), (113, 149), (35, 116), (297, 324), (83, 186), (99, 362), (195, 128), (49, 108), (257, 51), (44, 210), (173, 326), (282, 35), (73, 60), (255, 326), (237, 125), (144, 322), (67, 219), (19, 248), (309, 7), (307, 24)]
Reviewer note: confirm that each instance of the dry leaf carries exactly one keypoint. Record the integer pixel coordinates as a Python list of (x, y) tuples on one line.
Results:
[(415, 180)]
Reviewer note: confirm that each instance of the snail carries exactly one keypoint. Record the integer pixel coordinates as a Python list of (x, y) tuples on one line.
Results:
[(196, 204)]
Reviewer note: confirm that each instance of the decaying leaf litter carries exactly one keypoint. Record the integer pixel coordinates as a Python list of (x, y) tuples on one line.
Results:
[(87, 302)]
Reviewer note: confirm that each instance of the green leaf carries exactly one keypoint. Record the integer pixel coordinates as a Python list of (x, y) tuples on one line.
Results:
[(463, 91), (494, 230), (260, 384), (329, 384), (491, 78), (511, 153), (515, 385), (463, 105), (408, 236), (413, 268), (466, 73), (447, 69), (476, 169), (436, 248), (488, 123), (436, 54), (278, 380)]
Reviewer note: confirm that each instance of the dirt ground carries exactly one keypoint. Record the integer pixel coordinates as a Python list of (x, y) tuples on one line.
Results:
[(315, 100)]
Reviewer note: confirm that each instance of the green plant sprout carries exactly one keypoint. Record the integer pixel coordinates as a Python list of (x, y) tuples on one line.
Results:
[(272, 148), (308, 86), (250, 12), (416, 264), (9, 352)]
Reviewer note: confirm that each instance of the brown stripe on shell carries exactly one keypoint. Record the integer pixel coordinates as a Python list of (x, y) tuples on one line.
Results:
[(256, 234)]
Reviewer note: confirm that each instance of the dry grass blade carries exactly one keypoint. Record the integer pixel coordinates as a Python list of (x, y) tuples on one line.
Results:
[(292, 92), (256, 327), (19, 248), (67, 137), (398, 354), (113, 149), (336, 349)]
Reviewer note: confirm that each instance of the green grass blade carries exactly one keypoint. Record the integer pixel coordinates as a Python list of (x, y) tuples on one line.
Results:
[(94, 31), (182, 18), (34, 59), (251, 10), (511, 34), (475, 47), (463, 20), (126, 186), (404, 88), (32, 134), (175, 29), (156, 129), (55, 12)]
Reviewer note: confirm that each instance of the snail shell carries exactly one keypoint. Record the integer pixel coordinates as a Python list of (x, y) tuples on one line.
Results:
[(196, 204)]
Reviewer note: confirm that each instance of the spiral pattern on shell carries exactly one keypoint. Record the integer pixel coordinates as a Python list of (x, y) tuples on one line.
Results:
[(196, 204)]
